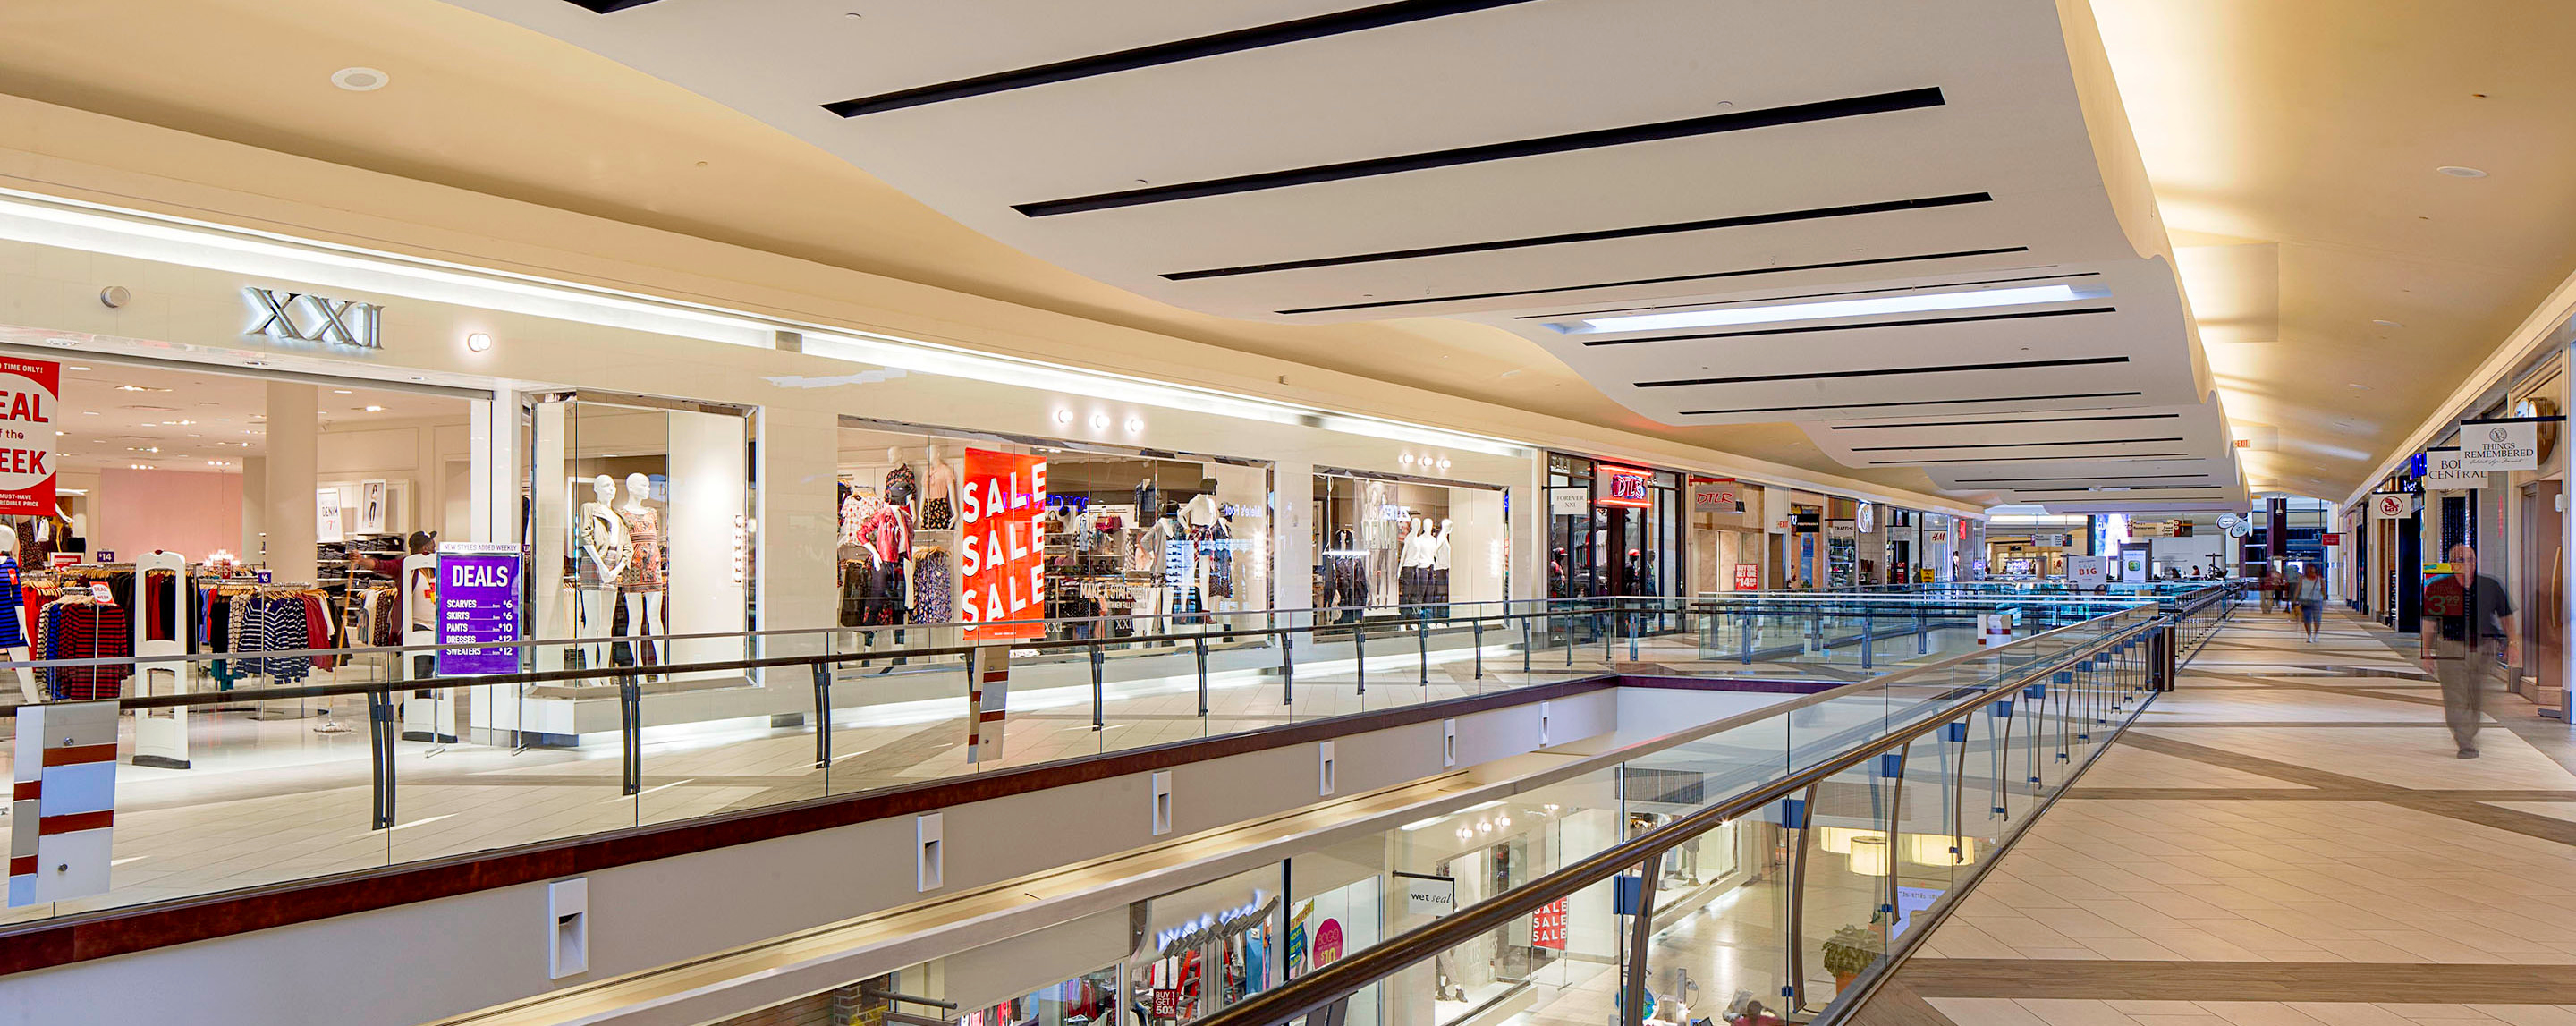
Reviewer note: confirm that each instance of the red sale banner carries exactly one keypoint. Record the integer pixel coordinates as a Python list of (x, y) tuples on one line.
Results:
[(1547, 926), (1000, 568), (1748, 577), (29, 390)]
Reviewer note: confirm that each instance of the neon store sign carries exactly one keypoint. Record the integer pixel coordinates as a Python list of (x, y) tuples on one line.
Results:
[(1623, 486)]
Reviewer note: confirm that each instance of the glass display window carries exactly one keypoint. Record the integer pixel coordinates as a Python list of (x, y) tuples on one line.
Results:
[(1388, 545), (641, 521), (1116, 542)]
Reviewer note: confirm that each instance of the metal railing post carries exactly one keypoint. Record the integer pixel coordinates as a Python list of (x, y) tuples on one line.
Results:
[(1476, 629), (1868, 643), (1641, 936), (380, 748), (1359, 656), (1099, 689), (823, 717), (1198, 646), (1422, 647), (630, 716), (1287, 668)]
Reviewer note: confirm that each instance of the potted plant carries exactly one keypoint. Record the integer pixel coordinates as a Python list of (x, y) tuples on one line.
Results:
[(1850, 950)]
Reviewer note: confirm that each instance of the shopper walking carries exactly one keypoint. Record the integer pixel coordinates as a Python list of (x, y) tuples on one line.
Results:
[(2310, 594), (2269, 586), (2467, 639)]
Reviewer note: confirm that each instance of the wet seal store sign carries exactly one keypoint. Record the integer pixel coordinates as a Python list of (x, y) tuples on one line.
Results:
[(29, 390), (1000, 565)]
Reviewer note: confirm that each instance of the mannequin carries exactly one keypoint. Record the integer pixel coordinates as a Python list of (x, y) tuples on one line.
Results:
[(1345, 576), (642, 582), (15, 643), (938, 493), (902, 486), (605, 549), (1439, 586)]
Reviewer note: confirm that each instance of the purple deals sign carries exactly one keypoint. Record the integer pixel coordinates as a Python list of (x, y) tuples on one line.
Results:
[(478, 601)]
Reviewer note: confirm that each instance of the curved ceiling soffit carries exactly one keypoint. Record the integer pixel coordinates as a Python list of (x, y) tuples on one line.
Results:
[(1959, 171)]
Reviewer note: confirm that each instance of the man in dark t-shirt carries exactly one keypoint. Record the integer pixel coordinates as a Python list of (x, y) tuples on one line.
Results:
[(2467, 639)]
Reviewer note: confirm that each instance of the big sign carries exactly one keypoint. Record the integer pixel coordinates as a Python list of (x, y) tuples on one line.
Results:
[(1000, 567), (29, 390)]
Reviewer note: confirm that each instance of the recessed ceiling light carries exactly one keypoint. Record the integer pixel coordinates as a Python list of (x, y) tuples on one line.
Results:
[(62, 343), (342, 391), (80, 368), (2387, 324), (375, 409), (360, 80), (1910, 303), (2457, 171)]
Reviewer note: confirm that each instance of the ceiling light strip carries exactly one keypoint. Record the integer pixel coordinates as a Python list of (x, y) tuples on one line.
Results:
[(2018, 420), (1219, 44), (1746, 272), (1639, 231), (1882, 290), (1626, 135), (2011, 445), (1863, 326), (76, 224), (1882, 372), (1913, 402), (1874, 306), (2022, 459)]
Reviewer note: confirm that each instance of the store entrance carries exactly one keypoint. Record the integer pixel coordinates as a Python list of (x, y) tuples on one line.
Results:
[(2544, 572)]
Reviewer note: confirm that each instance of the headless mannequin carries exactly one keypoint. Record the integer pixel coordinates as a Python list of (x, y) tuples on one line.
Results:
[(604, 543), (938, 492), (643, 616), (26, 677)]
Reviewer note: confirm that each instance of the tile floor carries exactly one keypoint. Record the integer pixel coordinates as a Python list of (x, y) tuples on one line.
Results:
[(2280, 841)]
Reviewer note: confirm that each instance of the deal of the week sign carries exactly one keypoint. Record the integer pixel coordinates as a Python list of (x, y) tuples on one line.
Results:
[(1000, 562), (29, 390)]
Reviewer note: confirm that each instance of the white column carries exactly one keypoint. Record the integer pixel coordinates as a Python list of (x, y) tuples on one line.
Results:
[(291, 481), (254, 507)]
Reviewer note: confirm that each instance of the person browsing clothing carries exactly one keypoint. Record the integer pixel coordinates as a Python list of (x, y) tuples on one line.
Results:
[(2467, 639)]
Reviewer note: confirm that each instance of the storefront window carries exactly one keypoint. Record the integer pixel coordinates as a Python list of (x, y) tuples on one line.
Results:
[(1613, 529), (1080, 1001), (1406, 546), (1211, 946), (642, 525), (1127, 542)]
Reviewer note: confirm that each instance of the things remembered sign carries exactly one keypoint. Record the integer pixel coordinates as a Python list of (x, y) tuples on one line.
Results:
[(2499, 445)]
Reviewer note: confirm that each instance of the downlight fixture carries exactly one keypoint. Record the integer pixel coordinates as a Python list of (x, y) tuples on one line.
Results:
[(2456, 171), (360, 80), (1919, 302)]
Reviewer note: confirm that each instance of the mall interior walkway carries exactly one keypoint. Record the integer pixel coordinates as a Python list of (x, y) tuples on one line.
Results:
[(2289, 839)]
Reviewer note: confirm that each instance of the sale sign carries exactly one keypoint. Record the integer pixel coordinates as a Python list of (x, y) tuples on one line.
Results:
[(1547, 926), (1000, 564), (1748, 577), (29, 390)]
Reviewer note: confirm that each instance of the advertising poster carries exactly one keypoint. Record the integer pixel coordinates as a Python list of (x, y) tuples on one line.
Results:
[(1328, 943), (28, 392), (1547, 926), (1000, 566), (478, 603), (1748, 577)]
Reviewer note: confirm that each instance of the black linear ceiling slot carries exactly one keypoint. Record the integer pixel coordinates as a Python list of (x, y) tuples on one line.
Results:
[(1762, 300), (2117, 489), (2022, 459), (1911, 322), (607, 6), (2114, 480), (1237, 41), (1886, 372), (1462, 297), (2018, 420), (2011, 445), (1914, 402), (1627, 135), (1639, 231)]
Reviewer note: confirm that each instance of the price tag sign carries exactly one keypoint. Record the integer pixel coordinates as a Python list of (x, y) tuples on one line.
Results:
[(478, 603)]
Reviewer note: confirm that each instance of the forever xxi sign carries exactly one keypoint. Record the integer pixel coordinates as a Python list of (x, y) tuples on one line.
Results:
[(305, 317)]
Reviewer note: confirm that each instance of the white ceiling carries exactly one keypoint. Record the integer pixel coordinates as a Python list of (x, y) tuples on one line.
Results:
[(1865, 183)]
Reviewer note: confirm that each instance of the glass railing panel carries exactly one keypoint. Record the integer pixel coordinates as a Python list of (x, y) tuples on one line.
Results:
[(1846, 889)]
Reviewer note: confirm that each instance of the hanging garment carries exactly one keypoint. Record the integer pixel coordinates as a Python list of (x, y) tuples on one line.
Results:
[(902, 486), (11, 602), (933, 589), (82, 629), (644, 551)]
